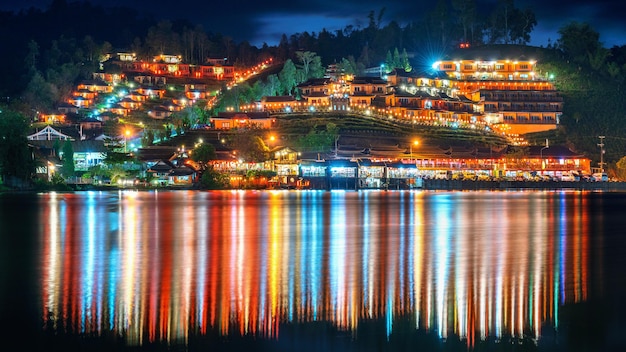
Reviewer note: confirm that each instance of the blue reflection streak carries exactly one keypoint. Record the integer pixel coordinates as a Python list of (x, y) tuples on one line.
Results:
[(115, 222), (316, 244), (87, 269), (389, 312)]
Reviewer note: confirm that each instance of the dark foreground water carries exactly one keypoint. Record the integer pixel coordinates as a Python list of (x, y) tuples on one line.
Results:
[(313, 271)]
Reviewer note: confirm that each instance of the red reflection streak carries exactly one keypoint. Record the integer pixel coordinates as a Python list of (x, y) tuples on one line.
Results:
[(154, 269), (214, 265), (165, 282), (71, 277), (584, 253)]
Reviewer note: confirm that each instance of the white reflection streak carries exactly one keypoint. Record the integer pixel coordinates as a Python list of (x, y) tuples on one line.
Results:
[(418, 249), (443, 231), (129, 238), (53, 262), (500, 253), (482, 294), (520, 305), (337, 258), (461, 274), (538, 248)]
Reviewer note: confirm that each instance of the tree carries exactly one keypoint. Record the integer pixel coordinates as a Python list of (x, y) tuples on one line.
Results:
[(306, 58), (16, 162), (249, 144), (287, 77), (147, 138), (621, 168), (203, 153), (319, 140), (68, 159), (212, 179), (578, 41), (465, 11), (521, 24)]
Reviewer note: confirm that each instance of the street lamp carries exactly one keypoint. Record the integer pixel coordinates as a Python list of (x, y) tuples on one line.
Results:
[(415, 143), (126, 135), (271, 140)]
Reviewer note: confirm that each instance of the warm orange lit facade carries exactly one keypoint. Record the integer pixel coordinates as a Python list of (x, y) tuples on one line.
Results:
[(507, 93)]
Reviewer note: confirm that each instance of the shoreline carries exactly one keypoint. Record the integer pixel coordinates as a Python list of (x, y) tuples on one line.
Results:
[(426, 185)]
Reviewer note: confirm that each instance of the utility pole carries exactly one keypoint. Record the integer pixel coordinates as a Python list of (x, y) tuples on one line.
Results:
[(601, 145)]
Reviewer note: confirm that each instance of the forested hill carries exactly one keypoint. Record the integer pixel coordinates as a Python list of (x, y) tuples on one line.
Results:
[(45, 53)]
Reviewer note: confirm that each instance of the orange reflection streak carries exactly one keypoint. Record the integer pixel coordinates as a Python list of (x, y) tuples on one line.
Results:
[(270, 258)]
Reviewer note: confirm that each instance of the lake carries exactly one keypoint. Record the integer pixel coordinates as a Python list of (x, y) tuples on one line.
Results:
[(314, 270)]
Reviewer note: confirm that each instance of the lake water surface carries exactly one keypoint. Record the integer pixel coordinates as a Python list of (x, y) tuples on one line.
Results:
[(314, 270)]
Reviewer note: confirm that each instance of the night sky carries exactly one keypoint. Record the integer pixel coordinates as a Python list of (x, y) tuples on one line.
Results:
[(265, 21)]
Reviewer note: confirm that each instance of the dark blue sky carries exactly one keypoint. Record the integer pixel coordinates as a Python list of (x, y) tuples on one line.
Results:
[(266, 21)]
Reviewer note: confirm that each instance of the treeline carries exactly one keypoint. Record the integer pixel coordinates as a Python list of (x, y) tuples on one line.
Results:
[(591, 78), (53, 49)]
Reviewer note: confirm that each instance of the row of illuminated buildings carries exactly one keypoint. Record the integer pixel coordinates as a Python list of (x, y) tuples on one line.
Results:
[(503, 95), (510, 96)]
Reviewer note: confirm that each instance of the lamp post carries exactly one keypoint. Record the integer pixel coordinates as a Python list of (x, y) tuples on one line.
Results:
[(126, 135), (415, 143)]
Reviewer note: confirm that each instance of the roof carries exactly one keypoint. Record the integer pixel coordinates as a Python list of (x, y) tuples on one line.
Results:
[(88, 146), (152, 153), (556, 151), (316, 94), (49, 133), (161, 166), (315, 82), (182, 171), (89, 120), (494, 52), (368, 80), (278, 99), (248, 115)]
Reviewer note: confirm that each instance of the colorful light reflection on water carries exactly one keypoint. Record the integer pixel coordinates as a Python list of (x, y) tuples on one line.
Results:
[(154, 266)]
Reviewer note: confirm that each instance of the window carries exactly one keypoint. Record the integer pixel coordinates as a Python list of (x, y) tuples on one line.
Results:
[(447, 66), (468, 67), (523, 67), (499, 66)]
